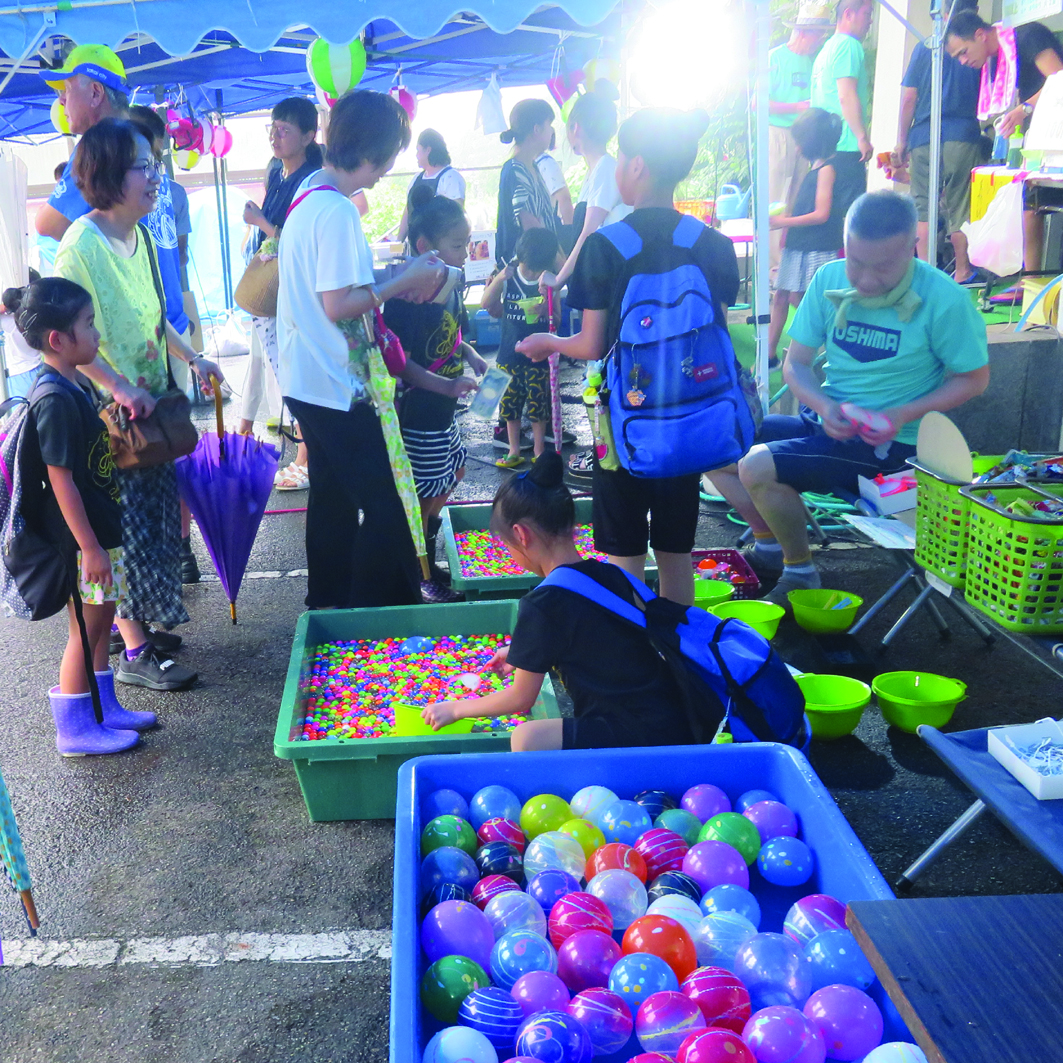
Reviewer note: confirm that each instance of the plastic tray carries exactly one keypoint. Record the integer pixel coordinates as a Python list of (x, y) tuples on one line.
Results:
[(477, 518), (354, 778), (844, 868), (751, 587)]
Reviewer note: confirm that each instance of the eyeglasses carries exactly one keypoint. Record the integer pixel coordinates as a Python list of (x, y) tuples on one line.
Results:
[(280, 131), (148, 169)]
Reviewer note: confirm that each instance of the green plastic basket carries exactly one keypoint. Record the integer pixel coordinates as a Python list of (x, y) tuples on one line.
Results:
[(1015, 563)]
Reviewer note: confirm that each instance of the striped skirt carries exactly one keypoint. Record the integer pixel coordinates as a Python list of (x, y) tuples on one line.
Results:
[(436, 458)]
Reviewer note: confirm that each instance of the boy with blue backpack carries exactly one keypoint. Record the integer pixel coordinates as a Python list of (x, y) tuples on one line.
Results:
[(654, 291)]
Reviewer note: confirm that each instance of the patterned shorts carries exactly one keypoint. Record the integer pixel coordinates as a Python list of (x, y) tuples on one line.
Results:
[(96, 593), (530, 386)]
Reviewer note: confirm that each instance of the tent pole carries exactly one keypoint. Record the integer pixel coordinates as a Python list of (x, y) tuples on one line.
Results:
[(761, 245), (220, 176), (934, 180)]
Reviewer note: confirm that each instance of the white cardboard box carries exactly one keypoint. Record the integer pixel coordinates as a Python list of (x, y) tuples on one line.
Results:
[(896, 503), (1043, 787)]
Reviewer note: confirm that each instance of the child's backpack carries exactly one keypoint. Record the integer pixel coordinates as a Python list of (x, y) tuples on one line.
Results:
[(727, 673), (675, 402), (37, 576)]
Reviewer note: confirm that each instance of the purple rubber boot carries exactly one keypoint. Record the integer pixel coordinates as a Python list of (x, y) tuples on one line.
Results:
[(114, 714), (77, 734)]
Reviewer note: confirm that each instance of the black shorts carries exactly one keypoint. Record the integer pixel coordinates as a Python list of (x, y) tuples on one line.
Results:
[(631, 511), (597, 732)]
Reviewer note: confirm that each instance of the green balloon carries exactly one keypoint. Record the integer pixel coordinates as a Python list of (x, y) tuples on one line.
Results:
[(448, 830), (448, 982), (681, 822), (735, 830)]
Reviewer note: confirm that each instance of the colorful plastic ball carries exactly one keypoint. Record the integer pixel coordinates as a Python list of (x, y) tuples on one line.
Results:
[(714, 1046), (448, 830), (59, 117), (786, 862), (665, 1021), (623, 894), (848, 1019), (586, 833), (664, 937), (680, 908), (492, 886), (812, 915), (517, 953), (445, 891), (655, 801), (555, 849), (554, 1037), (578, 911), (784, 1035), (730, 898), (712, 863), (752, 797), (719, 936), (734, 829), (445, 803), (674, 883), (457, 928), (662, 849), (605, 1017), (500, 858), (448, 864), (590, 802), (896, 1052), (681, 821), (186, 159), (544, 812), (539, 991), (460, 1044), (406, 99), (502, 830), (447, 982), (624, 821), (495, 1014), (616, 856), (774, 970), (335, 68), (721, 996), (772, 820), (705, 801), (493, 802), (638, 975), (514, 910), (836, 959), (549, 886), (585, 959)]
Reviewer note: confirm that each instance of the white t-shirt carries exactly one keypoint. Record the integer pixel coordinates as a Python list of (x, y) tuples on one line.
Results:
[(550, 170), (19, 356), (322, 249), (599, 190), (450, 184)]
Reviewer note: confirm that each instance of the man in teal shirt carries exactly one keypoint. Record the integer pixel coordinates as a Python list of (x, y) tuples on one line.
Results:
[(901, 339), (790, 73), (840, 85)]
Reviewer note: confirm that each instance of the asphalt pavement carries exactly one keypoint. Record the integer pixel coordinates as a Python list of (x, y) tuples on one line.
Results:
[(190, 911)]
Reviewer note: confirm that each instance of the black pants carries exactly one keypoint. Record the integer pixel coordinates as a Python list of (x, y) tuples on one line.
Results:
[(359, 552), (850, 181)]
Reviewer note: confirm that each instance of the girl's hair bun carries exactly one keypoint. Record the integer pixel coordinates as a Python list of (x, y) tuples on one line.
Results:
[(506, 136), (548, 472), (12, 299)]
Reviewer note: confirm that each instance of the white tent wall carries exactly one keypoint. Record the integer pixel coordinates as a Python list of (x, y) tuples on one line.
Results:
[(14, 243)]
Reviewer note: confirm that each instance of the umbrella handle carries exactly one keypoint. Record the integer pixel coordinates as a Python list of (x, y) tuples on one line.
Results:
[(550, 310), (217, 405)]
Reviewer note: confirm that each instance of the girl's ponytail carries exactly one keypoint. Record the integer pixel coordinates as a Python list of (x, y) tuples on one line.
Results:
[(537, 497), (50, 304)]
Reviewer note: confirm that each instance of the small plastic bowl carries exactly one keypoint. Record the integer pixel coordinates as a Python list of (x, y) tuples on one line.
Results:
[(822, 611), (712, 592), (409, 724), (834, 703), (909, 699), (762, 617)]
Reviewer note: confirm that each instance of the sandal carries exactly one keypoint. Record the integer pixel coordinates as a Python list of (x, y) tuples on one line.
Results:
[(510, 461), (293, 478), (582, 464)]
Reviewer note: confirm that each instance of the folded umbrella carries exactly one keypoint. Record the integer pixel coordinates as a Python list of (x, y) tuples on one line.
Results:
[(555, 374), (14, 859)]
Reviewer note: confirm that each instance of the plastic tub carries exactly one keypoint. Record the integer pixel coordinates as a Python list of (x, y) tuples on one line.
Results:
[(834, 704), (843, 867), (908, 699), (822, 611), (750, 588), (762, 617), (710, 592), (354, 778)]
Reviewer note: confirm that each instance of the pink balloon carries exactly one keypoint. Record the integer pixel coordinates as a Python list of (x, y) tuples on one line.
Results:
[(540, 991), (405, 99), (221, 143), (772, 820), (784, 1035), (713, 863), (848, 1019), (585, 959)]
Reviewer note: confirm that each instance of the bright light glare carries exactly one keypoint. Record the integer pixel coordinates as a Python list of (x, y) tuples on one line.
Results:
[(689, 53)]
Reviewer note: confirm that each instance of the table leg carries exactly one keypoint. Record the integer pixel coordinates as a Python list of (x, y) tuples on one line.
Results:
[(938, 847), (883, 601), (973, 619), (907, 615), (933, 610)]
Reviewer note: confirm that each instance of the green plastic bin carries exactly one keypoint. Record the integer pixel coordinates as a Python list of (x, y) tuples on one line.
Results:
[(477, 518), (354, 778)]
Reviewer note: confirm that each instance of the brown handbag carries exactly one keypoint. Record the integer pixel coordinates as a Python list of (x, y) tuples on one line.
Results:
[(166, 435)]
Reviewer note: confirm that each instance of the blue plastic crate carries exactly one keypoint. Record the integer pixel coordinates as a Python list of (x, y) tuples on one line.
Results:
[(488, 331), (843, 867)]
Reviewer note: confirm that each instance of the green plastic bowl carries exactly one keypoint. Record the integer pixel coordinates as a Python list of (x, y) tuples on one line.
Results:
[(712, 592), (409, 724), (834, 703), (762, 617), (908, 699), (822, 612)]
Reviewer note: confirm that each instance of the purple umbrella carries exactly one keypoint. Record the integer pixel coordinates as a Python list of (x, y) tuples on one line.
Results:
[(226, 482)]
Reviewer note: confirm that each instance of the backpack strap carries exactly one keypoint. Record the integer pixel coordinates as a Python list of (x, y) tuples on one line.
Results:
[(687, 233), (569, 579), (624, 238)]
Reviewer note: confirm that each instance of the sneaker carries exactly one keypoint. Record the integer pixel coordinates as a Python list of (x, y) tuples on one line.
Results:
[(761, 565), (510, 461), (582, 465), (500, 441), (435, 593), (567, 437), (788, 582), (189, 564), (164, 641), (155, 671)]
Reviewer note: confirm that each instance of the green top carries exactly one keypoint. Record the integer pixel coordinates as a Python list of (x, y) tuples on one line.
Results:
[(879, 361), (841, 57), (791, 79), (128, 312)]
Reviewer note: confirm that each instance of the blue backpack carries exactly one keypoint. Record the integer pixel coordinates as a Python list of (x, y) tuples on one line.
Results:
[(675, 402), (727, 673)]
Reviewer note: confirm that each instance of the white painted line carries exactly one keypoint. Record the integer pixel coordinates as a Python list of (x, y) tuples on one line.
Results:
[(295, 573), (201, 950)]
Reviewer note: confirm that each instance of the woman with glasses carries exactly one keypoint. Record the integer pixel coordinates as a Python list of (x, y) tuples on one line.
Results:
[(112, 256)]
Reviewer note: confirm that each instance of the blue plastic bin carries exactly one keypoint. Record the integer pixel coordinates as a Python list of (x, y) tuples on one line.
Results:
[(488, 331), (843, 867)]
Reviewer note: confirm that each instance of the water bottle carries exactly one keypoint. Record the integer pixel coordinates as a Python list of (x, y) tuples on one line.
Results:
[(1015, 151)]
